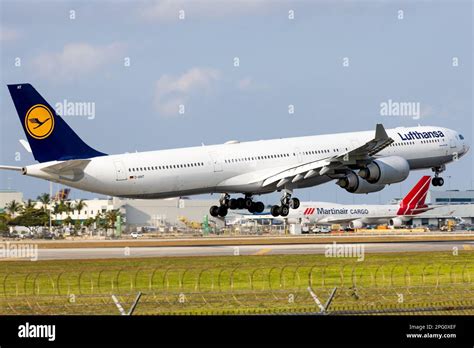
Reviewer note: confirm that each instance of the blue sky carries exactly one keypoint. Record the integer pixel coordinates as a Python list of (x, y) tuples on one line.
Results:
[(282, 61)]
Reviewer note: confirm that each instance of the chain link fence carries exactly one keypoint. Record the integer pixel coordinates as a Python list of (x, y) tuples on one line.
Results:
[(361, 288)]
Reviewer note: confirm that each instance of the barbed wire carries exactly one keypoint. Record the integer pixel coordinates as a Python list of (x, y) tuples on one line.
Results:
[(362, 287)]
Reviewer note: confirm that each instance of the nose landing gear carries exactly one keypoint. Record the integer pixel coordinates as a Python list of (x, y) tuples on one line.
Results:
[(437, 180)]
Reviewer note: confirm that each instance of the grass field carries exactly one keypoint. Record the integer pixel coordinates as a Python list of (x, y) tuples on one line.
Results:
[(240, 284)]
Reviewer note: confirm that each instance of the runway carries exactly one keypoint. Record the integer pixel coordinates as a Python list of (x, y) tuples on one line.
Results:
[(227, 250)]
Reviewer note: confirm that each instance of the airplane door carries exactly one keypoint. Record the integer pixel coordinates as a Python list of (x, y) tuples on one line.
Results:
[(298, 155), (120, 172), (452, 143), (217, 162)]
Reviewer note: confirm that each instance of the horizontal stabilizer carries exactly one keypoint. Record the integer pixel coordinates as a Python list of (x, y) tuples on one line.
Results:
[(65, 166), (11, 168)]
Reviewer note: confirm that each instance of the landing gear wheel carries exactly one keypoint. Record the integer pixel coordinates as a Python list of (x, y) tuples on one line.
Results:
[(284, 210), (437, 181), (294, 203), (252, 208), (248, 203), (233, 204), (259, 207), (275, 210), (240, 203), (222, 210), (214, 211)]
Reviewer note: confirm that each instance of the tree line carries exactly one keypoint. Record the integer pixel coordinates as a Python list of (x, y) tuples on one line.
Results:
[(27, 214)]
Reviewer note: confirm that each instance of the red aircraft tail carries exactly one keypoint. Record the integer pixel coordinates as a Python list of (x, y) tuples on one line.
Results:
[(414, 201)]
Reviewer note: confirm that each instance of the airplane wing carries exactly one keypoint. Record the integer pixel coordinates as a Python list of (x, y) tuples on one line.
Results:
[(303, 171), (357, 156)]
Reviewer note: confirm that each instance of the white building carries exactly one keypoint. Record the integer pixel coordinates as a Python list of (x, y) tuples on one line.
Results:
[(6, 196), (452, 204)]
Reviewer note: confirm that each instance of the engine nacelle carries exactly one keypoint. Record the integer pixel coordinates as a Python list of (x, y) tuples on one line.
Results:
[(356, 224), (395, 222), (387, 170), (353, 184)]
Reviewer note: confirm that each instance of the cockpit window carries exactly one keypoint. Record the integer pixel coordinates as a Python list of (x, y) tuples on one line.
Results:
[(461, 137)]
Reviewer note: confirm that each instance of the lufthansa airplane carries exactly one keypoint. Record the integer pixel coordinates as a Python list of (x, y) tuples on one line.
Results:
[(357, 216), (360, 162)]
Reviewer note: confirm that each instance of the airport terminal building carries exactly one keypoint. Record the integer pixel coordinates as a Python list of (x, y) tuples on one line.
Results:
[(451, 203), (177, 212)]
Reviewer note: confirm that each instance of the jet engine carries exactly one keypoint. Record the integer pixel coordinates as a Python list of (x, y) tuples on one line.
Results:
[(356, 224), (386, 170), (353, 184), (395, 222)]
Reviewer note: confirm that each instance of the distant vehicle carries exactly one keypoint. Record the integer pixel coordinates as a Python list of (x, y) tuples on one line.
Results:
[(26, 234), (321, 229), (48, 235), (135, 235)]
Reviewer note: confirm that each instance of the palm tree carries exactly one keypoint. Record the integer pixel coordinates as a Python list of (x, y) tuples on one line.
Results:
[(101, 222), (29, 206), (13, 207), (80, 204), (68, 207), (45, 199), (111, 217)]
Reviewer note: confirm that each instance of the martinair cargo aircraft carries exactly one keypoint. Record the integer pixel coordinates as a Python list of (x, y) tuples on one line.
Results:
[(360, 162), (357, 216)]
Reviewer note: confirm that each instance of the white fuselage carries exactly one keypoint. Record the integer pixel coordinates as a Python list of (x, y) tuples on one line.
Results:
[(239, 167), (329, 213)]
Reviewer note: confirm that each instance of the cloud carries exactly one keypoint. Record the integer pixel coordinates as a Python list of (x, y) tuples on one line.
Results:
[(8, 34), (172, 91), (168, 10), (76, 59)]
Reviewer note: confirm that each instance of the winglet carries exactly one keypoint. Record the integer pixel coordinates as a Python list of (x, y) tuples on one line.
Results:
[(380, 133)]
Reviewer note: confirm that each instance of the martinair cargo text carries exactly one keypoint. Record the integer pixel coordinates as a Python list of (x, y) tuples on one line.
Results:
[(360, 162)]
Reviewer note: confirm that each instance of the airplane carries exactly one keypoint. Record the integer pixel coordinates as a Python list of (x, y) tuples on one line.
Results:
[(359, 162), (360, 215)]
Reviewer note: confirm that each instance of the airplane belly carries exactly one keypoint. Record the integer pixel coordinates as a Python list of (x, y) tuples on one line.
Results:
[(428, 162)]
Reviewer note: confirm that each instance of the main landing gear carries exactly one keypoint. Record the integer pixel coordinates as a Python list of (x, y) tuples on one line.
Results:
[(437, 180), (286, 203), (226, 203)]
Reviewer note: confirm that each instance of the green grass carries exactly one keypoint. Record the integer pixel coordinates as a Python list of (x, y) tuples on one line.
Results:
[(237, 284)]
